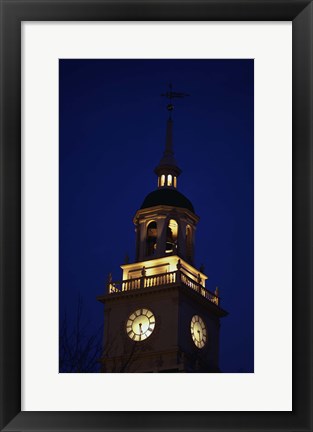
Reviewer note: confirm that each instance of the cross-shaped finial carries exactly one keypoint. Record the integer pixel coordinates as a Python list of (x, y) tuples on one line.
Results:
[(170, 94)]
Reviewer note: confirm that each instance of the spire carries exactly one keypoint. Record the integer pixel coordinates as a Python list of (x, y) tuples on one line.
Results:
[(169, 138), (168, 155), (168, 170)]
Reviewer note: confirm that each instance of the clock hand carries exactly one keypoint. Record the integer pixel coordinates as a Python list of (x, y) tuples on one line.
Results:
[(140, 328), (199, 335)]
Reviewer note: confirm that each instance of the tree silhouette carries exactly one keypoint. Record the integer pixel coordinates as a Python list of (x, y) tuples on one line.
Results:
[(79, 347)]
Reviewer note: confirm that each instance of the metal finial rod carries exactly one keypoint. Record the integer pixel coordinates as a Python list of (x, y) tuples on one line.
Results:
[(170, 95)]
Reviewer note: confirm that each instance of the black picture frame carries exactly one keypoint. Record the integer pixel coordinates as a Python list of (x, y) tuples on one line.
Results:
[(13, 12)]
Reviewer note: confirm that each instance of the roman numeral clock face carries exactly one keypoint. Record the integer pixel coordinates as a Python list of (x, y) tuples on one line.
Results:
[(198, 331), (140, 324)]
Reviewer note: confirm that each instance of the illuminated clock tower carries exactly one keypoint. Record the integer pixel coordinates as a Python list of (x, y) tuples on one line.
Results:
[(160, 317)]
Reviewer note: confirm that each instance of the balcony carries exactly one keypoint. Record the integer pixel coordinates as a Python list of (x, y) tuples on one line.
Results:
[(164, 279)]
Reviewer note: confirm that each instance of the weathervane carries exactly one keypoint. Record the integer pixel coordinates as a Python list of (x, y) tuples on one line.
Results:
[(170, 95)]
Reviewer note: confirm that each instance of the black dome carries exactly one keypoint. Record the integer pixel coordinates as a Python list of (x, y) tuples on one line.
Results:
[(170, 197)]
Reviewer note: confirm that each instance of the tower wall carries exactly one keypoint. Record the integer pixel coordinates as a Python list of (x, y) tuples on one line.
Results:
[(206, 358), (159, 351)]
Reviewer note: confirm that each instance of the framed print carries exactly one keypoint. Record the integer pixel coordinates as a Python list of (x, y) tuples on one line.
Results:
[(103, 106)]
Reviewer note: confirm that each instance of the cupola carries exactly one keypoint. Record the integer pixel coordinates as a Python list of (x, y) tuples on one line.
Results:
[(166, 221)]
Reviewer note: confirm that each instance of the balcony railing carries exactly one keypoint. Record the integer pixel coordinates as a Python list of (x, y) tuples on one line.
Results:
[(186, 280), (164, 279)]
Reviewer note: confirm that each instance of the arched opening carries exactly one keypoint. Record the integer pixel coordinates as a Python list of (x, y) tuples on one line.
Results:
[(151, 238), (171, 236), (169, 180), (175, 182), (162, 180), (188, 243)]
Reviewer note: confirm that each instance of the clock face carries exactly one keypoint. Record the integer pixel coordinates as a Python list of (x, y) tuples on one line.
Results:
[(198, 331), (140, 324)]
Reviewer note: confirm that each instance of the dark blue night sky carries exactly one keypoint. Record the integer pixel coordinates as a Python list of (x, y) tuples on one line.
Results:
[(112, 135)]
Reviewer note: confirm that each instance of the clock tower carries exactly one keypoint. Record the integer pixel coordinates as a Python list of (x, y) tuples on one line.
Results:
[(160, 317)]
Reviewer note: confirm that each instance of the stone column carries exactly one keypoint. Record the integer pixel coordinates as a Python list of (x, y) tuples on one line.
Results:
[(161, 240)]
